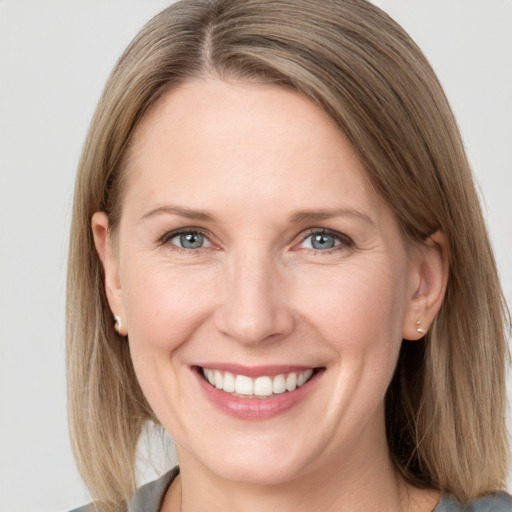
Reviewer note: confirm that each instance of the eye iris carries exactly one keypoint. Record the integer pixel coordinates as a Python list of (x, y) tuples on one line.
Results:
[(191, 240), (322, 241)]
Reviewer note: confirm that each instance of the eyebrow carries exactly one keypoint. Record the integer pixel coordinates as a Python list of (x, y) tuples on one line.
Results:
[(297, 217), (315, 215), (181, 211)]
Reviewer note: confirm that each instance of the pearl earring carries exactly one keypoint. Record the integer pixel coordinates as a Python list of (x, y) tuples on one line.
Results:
[(118, 325), (419, 329)]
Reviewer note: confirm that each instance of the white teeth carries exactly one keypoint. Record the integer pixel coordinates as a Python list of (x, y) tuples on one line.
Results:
[(218, 379), (209, 374), (303, 377), (291, 381), (229, 382), (263, 386), (243, 385), (279, 384)]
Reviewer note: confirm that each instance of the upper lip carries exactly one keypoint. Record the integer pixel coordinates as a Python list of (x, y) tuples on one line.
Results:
[(255, 371)]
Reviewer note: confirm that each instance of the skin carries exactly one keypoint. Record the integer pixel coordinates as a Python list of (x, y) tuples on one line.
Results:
[(257, 293)]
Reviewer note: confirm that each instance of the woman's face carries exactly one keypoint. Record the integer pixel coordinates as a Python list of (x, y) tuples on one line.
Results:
[(253, 251)]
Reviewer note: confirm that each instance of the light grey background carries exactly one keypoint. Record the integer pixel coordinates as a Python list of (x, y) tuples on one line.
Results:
[(54, 59)]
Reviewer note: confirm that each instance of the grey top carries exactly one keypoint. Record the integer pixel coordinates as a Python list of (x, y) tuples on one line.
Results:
[(149, 498)]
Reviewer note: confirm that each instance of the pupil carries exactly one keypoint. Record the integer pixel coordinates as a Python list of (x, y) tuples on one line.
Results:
[(322, 241), (191, 240)]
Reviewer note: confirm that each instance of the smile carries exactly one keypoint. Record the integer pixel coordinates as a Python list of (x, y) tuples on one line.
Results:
[(256, 392), (264, 386)]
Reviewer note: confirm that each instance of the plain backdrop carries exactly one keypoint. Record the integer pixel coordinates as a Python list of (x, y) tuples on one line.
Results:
[(55, 56)]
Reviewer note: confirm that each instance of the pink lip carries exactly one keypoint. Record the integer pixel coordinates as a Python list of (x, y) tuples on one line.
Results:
[(254, 371), (256, 408)]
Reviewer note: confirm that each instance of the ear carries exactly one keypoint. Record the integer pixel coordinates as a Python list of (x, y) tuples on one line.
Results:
[(428, 280), (109, 261)]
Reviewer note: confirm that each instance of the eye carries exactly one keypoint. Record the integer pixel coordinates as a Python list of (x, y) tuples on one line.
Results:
[(324, 240), (187, 240)]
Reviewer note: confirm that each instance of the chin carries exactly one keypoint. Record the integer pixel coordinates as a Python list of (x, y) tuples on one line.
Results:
[(256, 461), (256, 473)]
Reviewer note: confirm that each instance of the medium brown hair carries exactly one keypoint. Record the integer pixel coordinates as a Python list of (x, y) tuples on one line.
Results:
[(445, 408)]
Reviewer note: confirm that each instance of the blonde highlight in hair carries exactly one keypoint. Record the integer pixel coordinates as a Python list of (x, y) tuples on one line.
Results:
[(445, 408)]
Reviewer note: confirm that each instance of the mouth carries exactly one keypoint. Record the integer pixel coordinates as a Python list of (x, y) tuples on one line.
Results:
[(267, 392), (263, 386)]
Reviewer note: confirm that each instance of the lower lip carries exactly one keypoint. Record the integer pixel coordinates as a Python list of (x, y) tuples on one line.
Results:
[(257, 408)]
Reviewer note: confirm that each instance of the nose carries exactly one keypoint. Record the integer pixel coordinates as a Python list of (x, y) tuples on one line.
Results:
[(253, 307)]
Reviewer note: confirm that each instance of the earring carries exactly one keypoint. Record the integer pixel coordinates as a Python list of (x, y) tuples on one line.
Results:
[(419, 329), (118, 325)]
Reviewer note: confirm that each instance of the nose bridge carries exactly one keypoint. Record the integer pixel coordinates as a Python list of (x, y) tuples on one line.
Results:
[(254, 308)]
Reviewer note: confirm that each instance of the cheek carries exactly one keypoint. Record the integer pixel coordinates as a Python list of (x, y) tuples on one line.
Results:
[(164, 304), (355, 307)]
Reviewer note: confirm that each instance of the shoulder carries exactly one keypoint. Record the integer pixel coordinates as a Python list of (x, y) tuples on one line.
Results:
[(147, 498), (497, 502)]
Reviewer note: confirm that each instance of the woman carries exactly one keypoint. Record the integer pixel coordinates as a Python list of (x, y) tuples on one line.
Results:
[(277, 254)]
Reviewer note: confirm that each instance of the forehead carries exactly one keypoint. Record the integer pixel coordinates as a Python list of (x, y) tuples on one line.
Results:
[(212, 141)]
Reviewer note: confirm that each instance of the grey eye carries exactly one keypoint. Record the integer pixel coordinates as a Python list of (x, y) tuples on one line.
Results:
[(190, 240), (320, 241)]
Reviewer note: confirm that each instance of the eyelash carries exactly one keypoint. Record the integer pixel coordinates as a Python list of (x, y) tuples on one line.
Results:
[(344, 240), (165, 240)]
